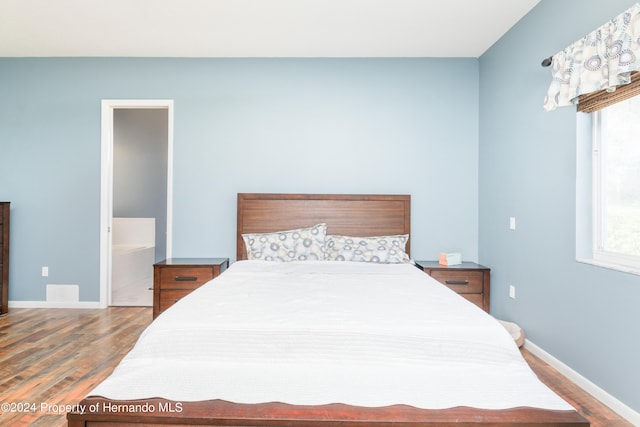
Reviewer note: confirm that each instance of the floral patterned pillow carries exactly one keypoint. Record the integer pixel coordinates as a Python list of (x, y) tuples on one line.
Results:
[(381, 249), (302, 244)]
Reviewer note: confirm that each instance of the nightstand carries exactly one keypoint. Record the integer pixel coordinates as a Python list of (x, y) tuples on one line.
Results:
[(469, 279), (175, 278)]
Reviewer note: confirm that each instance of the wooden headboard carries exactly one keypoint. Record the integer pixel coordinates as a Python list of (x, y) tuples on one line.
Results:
[(361, 215)]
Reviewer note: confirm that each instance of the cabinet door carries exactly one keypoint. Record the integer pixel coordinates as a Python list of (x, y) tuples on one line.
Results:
[(4, 257)]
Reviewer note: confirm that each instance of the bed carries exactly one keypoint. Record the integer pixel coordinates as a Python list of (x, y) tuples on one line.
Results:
[(350, 366)]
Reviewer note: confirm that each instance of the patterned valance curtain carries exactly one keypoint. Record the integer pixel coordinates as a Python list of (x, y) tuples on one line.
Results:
[(602, 60)]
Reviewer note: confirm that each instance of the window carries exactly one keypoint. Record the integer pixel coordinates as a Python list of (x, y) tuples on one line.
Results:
[(616, 184)]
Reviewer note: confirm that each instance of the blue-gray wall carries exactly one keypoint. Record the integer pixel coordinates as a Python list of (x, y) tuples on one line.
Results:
[(241, 125), (427, 127), (586, 316)]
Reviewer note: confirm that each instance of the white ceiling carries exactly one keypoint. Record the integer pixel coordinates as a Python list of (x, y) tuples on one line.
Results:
[(255, 28)]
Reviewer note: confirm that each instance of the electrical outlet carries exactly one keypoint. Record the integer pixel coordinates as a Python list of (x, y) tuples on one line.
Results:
[(512, 223), (512, 291), (45, 271)]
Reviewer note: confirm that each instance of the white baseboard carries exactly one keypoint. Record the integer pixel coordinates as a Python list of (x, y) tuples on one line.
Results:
[(604, 397), (54, 304)]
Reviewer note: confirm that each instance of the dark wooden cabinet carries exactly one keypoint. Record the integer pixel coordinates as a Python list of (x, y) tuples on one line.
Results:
[(4, 257), (469, 279), (175, 278)]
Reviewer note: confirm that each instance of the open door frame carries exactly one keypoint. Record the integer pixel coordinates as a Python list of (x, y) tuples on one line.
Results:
[(106, 183)]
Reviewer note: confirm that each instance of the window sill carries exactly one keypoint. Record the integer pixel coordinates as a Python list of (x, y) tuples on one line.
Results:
[(610, 266)]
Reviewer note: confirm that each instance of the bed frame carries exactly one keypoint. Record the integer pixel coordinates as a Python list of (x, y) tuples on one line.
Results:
[(358, 215)]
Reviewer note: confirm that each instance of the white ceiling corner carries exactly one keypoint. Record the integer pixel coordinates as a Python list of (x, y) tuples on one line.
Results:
[(255, 28)]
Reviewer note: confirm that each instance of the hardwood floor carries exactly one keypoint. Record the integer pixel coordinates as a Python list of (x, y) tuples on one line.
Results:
[(50, 358), (592, 409)]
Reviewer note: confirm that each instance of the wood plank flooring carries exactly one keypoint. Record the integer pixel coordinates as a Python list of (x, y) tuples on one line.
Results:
[(54, 357), (50, 358)]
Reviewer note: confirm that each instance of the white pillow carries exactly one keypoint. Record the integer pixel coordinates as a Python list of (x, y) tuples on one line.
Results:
[(301, 244), (381, 249)]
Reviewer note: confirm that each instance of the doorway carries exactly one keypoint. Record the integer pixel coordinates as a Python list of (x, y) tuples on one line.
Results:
[(136, 194)]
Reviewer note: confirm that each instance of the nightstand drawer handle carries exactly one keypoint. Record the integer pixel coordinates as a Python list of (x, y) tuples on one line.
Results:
[(185, 279), (457, 282)]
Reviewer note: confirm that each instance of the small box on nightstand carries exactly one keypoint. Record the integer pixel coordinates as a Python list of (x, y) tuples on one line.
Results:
[(450, 259)]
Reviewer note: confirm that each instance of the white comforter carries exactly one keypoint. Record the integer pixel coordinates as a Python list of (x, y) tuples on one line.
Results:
[(313, 333)]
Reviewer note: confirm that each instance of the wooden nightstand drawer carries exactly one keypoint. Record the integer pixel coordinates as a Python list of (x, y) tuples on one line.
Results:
[(173, 279), (468, 279), (463, 282), (474, 298), (170, 297), (184, 277)]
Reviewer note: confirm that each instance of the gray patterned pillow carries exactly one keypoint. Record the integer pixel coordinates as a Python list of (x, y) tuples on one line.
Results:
[(302, 244), (382, 249)]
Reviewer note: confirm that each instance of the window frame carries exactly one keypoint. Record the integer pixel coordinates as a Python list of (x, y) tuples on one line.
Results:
[(600, 256)]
